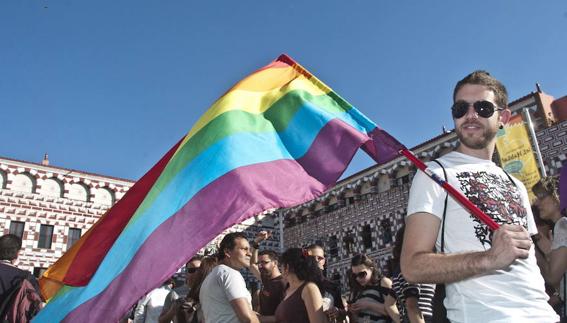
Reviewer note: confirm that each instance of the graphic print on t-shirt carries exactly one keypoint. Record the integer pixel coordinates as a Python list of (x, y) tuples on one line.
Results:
[(498, 197)]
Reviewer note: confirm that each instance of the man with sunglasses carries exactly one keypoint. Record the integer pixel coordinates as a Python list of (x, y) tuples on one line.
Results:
[(331, 290), (264, 266), (170, 305), (489, 276)]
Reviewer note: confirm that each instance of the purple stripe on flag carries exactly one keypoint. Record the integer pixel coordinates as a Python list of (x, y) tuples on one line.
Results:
[(231, 199), (333, 149), (383, 147)]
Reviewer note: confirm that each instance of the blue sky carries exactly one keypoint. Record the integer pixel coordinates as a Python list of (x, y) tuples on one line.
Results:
[(109, 86)]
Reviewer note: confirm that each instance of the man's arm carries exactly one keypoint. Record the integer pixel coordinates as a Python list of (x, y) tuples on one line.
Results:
[(420, 264), (261, 236), (254, 264), (243, 311)]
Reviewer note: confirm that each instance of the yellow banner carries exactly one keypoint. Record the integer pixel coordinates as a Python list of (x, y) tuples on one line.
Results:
[(516, 154)]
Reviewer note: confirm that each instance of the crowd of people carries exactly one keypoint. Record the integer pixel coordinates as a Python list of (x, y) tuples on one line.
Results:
[(447, 265)]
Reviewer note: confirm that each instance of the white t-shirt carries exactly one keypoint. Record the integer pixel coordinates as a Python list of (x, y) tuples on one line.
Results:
[(150, 306), (222, 285), (515, 294)]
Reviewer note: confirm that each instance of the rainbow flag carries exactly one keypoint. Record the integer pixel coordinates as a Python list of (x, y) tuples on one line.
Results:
[(278, 138)]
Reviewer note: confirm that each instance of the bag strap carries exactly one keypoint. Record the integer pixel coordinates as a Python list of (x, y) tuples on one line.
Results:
[(510, 178), (444, 208)]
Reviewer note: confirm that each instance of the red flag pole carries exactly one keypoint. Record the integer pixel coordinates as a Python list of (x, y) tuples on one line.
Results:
[(452, 191)]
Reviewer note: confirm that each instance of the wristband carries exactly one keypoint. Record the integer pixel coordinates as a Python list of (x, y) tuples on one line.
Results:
[(255, 245)]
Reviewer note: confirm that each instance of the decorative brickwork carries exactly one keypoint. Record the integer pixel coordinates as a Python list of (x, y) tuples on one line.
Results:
[(36, 195), (553, 146)]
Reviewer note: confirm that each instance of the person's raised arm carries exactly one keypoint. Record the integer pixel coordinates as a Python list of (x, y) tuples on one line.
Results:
[(243, 311), (313, 303), (420, 264), (261, 236)]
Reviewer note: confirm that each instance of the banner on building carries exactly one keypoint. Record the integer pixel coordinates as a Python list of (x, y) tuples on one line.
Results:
[(516, 153)]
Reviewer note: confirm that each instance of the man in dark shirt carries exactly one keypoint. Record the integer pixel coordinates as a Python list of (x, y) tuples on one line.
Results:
[(10, 275), (331, 291), (264, 266)]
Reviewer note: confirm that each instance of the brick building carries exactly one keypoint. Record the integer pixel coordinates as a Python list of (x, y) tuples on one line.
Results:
[(51, 207), (363, 212)]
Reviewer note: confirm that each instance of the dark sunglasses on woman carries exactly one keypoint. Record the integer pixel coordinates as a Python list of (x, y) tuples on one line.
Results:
[(359, 275), (483, 108)]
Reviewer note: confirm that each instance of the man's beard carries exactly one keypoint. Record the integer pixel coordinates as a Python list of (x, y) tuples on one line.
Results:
[(477, 143)]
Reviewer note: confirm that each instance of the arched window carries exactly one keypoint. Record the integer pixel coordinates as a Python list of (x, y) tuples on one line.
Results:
[(52, 187), (23, 182), (78, 192), (103, 196), (383, 183)]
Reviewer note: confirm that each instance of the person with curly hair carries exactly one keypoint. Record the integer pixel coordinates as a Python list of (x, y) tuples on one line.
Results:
[(554, 265), (303, 301)]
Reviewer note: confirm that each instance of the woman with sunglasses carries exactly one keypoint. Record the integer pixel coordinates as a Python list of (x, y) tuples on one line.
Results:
[(302, 301), (372, 299)]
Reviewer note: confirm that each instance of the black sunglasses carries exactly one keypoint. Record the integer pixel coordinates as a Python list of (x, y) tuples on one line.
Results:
[(192, 270), (483, 108), (359, 275)]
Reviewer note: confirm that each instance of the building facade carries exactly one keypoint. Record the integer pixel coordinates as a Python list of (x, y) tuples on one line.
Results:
[(51, 207), (362, 213)]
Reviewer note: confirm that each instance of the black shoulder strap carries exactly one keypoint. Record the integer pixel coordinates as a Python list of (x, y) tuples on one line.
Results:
[(509, 177), (444, 208)]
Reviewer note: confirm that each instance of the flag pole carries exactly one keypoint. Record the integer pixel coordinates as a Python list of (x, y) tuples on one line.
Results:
[(528, 120), (451, 190)]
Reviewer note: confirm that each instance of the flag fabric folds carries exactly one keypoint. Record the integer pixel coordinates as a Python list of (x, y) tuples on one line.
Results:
[(278, 138)]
